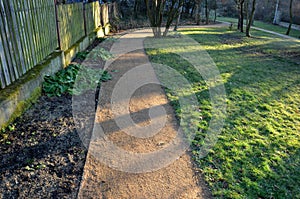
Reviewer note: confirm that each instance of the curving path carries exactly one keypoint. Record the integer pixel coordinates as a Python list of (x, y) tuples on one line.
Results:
[(110, 173)]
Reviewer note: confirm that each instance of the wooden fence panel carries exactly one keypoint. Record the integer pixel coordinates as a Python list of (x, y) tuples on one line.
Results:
[(9, 47), (92, 16), (5, 61), (71, 24), (105, 14), (28, 32), (27, 35)]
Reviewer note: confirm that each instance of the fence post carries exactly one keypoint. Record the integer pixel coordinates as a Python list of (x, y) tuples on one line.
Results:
[(57, 25)]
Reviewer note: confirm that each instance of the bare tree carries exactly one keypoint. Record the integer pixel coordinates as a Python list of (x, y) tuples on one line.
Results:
[(214, 6), (136, 8), (247, 11), (172, 13), (156, 10), (206, 12), (155, 15), (240, 4), (251, 19), (178, 18), (291, 18)]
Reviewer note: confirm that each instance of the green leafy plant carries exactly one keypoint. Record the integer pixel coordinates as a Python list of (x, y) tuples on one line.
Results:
[(88, 79), (82, 55), (74, 79), (101, 53)]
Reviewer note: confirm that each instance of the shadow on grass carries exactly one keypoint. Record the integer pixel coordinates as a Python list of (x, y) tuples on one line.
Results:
[(257, 154)]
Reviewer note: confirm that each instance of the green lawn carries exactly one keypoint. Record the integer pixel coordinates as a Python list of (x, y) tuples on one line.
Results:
[(258, 152), (267, 26)]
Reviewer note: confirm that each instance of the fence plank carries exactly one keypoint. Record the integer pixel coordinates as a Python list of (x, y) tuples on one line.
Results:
[(93, 16), (105, 15), (15, 45), (4, 72), (30, 32), (19, 31), (39, 27), (71, 24), (5, 60), (27, 46)]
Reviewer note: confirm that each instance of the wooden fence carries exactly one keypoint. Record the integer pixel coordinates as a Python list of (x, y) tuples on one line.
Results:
[(31, 30), (71, 24), (105, 14), (27, 36), (92, 16)]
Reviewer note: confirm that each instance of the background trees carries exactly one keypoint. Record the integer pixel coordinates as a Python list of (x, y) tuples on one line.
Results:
[(156, 9), (251, 18), (164, 12), (265, 9)]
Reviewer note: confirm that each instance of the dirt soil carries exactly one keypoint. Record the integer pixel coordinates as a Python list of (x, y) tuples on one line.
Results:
[(43, 156)]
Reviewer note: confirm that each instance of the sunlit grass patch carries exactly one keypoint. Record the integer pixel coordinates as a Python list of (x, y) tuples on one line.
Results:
[(263, 25), (258, 153)]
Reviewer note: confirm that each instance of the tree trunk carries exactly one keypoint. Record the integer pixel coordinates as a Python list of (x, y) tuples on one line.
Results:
[(135, 8), (291, 18), (215, 16), (251, 19), (247, 11), (197, 12), (172, 14), (242, 16), (178, 18), (276, 13), (206, 12), (239, 19), (155, 15), (193, 11)]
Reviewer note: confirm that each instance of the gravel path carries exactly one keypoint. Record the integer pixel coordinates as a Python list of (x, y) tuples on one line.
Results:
[(117, 165)]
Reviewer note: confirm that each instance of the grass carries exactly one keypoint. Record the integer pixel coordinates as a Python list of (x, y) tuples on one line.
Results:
[(263, 25), (258, 152)]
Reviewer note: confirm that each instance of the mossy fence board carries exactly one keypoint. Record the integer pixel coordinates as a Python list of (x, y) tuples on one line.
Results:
[(30, 30), (70, 24), (27, 36), (105, 14), (92, 16)]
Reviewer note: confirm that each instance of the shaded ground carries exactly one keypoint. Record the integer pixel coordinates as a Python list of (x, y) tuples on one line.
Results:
[(43, 156)]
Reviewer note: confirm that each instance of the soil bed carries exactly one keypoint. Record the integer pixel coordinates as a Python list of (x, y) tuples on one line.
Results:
[(43, 155)]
